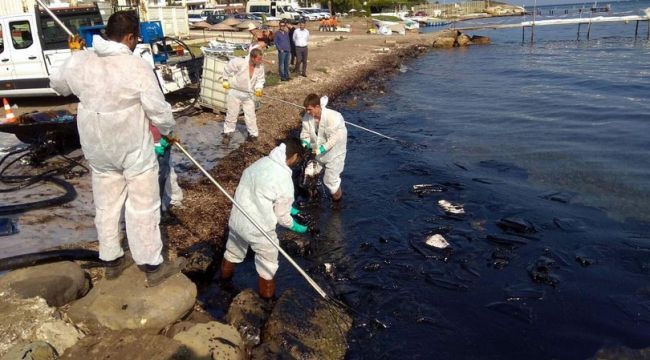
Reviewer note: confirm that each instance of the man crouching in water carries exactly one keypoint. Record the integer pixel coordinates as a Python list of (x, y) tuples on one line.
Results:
[(265, 192), (325, 134)]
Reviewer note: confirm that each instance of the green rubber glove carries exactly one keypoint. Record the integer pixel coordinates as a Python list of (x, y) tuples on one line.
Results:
[(300, 229), (294, 211), (322, 150), (306, 144), (159, 149), (164, 143)]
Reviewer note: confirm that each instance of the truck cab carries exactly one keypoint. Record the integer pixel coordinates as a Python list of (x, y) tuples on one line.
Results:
[(32, 45)]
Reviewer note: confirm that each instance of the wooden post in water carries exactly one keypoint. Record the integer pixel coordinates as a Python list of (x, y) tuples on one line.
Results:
[(589, 31), (523, 33), (578, 39), (636, 30)]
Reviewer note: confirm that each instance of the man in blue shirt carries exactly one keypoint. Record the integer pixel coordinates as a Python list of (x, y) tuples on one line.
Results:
[(283, 45)]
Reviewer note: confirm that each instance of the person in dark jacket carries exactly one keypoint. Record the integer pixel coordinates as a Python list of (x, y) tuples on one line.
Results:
[(283, 45)]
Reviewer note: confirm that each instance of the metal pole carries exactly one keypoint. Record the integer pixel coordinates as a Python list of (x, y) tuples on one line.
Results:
[(302, 107), (311, 281), (54, 17), (589, 27), (532, 28)]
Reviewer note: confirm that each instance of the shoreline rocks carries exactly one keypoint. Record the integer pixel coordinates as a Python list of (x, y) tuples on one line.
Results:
[(126, 303)]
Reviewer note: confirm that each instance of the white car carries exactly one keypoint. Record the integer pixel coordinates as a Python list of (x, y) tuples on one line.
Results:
[(195, 18), (308, 15), (324, 13)]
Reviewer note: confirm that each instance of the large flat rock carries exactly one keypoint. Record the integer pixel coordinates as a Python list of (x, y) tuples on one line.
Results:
[(58, 283), (126, 303)]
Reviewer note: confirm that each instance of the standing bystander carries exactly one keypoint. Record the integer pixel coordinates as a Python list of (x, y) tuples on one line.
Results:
[(301, 38), (283, 45)]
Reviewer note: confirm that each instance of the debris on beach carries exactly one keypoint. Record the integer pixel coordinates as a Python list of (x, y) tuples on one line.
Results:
[(437, 241), (426, 189), (455, 209)]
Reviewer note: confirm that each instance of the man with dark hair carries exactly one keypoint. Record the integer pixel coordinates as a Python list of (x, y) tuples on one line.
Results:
[(292, 29), (284, 50), (301, 39), (324, 132), (265, 192), (119, 98), (247, 77)]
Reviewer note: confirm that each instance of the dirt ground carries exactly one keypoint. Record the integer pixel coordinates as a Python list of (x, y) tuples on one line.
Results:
[(338, 62)]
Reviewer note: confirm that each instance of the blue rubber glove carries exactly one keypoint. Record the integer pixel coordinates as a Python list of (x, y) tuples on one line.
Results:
[(294, 211), (306, 144), (300, 229)]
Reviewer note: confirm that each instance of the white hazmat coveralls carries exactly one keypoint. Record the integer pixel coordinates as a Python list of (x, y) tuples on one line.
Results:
[(119, 95), (265, 192), (333, 135), (242, 86)]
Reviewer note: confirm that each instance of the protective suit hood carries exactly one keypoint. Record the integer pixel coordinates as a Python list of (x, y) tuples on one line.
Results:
[(279, 155), (323, 102), (108, 47)]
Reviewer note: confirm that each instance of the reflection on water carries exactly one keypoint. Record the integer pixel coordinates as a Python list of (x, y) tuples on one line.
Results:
[(546, 149)]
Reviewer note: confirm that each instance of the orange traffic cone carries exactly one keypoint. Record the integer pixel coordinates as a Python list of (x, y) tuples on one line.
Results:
[(9, 113)]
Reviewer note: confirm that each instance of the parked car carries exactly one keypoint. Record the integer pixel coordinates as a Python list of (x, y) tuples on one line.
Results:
[(194, 18), (247, 16), (268, 17), (324, 13), (420, 13), (307, 15), (215, 18)]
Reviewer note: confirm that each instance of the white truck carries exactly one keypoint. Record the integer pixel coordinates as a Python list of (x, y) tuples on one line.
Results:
[(279, 9), (32, 45)]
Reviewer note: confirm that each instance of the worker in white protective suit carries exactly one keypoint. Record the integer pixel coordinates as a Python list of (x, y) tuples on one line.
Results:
[(265, 192), (119, 97), (324, 133), (243, 77)]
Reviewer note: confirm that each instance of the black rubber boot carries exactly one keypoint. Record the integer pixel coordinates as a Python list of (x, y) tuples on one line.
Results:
[(157, 274), (225, 139), (115, 268)]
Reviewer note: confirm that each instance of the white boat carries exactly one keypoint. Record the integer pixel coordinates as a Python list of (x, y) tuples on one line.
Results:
[(387, 27)]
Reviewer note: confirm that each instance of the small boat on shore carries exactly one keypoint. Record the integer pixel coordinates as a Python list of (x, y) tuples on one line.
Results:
[(388, 27)]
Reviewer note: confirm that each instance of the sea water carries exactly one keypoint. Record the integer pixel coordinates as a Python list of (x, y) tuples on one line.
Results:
[(552, 136)]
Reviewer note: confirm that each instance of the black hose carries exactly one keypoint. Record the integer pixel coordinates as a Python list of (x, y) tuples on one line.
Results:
[(25, 181), (70, 194), (20, 261)]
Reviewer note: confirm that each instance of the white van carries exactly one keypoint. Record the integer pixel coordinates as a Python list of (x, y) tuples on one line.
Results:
[(278, 9), (32, 45)]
